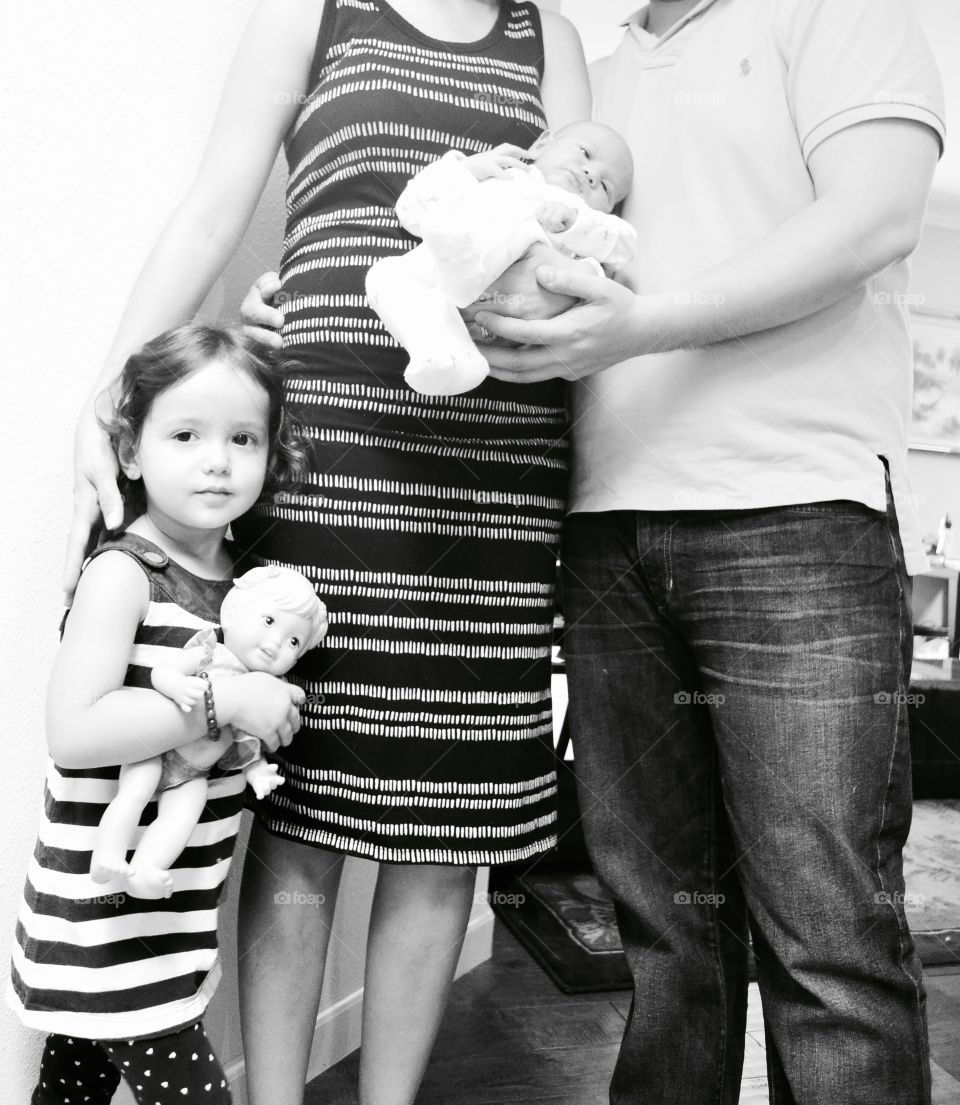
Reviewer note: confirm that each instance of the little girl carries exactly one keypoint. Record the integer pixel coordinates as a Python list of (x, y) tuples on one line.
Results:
[(121, 983)]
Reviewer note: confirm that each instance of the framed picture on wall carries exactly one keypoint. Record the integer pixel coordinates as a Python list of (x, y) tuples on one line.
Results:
[(936, 383)]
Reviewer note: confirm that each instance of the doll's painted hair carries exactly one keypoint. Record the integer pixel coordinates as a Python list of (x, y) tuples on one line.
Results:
[(289, 590), (177, 354)]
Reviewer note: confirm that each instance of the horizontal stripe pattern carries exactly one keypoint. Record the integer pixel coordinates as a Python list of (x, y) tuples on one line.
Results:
[(88, 959), (383, 102), (429, 524)]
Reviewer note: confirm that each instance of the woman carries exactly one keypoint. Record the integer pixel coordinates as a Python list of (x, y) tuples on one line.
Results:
[(430, 528)]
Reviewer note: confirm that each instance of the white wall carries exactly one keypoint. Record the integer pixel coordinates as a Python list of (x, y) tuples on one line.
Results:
[(103, 142), (935, 279), (111, 106)]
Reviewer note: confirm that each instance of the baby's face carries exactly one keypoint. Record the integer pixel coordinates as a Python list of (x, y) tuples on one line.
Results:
[(589, 160), (265, 637)]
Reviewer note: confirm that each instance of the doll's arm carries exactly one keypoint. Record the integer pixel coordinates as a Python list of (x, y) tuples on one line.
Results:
[(178, 679)]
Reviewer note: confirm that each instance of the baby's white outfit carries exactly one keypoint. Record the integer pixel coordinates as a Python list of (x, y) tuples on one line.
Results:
[(471, 232)]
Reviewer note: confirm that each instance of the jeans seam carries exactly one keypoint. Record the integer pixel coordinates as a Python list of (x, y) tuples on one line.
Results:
[(915, 982), (715, 925)]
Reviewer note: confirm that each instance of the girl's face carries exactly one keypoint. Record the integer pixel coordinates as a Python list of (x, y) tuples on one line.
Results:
[(203, 450)]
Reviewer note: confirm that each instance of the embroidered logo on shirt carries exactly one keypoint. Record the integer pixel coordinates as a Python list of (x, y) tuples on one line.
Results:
[(746, 67)]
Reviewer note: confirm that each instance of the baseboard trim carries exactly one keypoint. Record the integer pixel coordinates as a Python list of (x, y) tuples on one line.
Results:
[(337, 1031)]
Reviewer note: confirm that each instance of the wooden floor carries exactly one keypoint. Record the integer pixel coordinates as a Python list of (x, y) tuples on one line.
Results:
[(510, 1036)]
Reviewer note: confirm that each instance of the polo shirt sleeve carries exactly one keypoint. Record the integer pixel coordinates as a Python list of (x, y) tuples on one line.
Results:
[(851, 61)]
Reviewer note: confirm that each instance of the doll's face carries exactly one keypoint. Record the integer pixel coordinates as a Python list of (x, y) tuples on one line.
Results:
[(263, 636)]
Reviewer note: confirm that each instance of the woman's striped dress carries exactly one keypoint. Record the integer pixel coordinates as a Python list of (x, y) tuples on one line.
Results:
[(89, 960), (429, 524)]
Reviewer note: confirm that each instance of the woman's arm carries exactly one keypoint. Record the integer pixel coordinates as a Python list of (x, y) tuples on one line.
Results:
[(565, 88), (93, 720), (266, 80)]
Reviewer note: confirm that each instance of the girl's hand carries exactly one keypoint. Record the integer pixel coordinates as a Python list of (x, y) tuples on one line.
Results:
[(259, 704), (95, 491), (259, 314), (496, 162)]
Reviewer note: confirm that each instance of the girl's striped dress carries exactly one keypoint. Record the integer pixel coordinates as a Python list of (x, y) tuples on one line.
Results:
[(430, 525), (89, 960)]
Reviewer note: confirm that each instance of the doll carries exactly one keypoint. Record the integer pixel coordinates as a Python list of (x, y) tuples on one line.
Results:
[(476, 216), (270, 618)]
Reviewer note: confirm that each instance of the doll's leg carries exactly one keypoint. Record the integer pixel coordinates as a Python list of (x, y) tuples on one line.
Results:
[(118, 826), (178, 811), (406, 294)]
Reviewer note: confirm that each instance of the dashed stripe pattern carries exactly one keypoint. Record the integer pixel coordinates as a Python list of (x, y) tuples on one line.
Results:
[(382, 102), (430, 525), (88, 960)]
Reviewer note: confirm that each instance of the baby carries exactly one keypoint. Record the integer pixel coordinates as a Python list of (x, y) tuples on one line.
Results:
[(476, 216), (270, 618)]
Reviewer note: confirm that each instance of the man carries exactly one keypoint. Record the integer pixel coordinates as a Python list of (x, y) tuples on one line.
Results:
[(736, 589)]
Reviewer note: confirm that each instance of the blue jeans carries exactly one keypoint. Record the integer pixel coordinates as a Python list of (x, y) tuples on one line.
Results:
[(737, 686)]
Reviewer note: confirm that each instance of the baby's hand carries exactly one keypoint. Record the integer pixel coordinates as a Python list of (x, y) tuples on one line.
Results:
[(556, 216), (496, 162)]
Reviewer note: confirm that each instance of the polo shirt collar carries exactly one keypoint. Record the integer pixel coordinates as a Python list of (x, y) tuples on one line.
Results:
[(636, 24)]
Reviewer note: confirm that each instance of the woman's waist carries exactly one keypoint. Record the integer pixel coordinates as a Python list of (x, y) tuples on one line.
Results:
[(329, 389)]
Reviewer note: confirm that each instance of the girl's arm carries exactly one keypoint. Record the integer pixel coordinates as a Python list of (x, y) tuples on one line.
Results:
[(94, 721), (263, 89), (565, 88)]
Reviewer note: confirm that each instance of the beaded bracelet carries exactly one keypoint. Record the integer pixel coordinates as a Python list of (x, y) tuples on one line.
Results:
[(213, 729)]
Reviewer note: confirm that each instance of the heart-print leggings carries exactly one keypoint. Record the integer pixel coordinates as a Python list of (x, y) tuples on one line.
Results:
[(177, 1068)]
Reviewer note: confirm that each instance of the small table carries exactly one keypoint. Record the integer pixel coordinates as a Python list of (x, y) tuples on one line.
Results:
[(933, 707)]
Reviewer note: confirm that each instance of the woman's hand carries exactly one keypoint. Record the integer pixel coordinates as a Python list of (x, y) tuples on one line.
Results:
[(605, 326), (95, 491), (260, 316), (259, 704)]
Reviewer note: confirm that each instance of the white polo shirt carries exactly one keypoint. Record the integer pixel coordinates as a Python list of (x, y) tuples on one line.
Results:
[(721, 114)]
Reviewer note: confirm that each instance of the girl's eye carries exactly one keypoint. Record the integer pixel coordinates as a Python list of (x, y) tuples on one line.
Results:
[(295, 642), (184, 435), (244, 439), (268, 619)]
